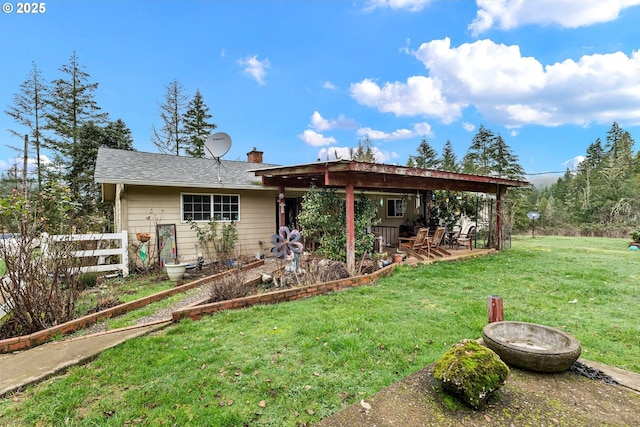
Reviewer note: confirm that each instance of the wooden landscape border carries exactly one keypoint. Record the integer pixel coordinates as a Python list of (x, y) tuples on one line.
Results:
[(27, 341)]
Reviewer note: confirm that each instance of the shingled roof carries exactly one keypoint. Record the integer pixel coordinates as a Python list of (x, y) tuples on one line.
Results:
[(153, 169)]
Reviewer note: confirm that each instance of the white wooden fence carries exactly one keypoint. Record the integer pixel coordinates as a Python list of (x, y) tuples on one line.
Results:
[(121, 250)]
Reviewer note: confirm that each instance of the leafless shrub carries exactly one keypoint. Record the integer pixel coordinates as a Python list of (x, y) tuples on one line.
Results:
[(230, 286), (39, 291), (39, 288)]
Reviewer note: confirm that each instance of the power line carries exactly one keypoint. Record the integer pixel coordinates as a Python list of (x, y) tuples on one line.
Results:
[(549, 173)]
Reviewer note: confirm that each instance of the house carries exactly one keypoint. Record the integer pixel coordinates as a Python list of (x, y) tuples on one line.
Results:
[(149, 190), (159, 193)]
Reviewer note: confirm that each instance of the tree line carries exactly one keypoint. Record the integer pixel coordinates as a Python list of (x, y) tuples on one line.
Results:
[(63, 119), (599, 198)]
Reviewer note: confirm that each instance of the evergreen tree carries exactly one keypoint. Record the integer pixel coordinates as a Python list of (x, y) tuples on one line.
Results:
[(363, 152), (28, 111), (83, 166), (171, 138), (595, 154), (197, 126), (505, 162), (91, 137), (71, 105), (449, 161), (427, 157), (619, 146), (117, 135), (479, 156)]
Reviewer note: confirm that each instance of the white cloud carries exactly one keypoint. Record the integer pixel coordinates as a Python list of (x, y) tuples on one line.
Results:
[(469, 127), (483, 69), (18, 162), (573, 163), (344, 153), (316, 139), (509, 14), (320, 124), (333, 153), (420, 95), (328, 85), (513, 90), (255, 68), (510, 89), (419, 129), (410, 5)]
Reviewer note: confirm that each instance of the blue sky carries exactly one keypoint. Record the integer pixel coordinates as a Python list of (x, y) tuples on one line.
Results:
[(301, 80)]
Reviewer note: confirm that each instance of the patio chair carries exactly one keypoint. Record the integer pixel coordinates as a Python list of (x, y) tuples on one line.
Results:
[(434, 245), (468, 238), (413, 245)]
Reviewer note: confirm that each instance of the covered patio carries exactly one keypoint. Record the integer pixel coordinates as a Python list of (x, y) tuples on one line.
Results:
[(350, 176)]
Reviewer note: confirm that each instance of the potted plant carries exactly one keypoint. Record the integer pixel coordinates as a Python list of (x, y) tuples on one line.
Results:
[(176, 270)]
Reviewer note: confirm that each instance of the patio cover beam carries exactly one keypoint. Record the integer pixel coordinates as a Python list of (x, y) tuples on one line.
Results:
[(361, 176)]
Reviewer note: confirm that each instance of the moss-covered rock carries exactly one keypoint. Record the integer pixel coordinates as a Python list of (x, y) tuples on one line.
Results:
[(471, 372)]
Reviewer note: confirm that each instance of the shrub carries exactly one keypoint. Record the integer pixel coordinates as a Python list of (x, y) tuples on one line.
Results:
[(323, 218), (41, 291), (221, 245), (229, 287), (88, 280)]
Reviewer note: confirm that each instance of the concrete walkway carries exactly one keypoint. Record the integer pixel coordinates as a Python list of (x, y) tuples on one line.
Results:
[(36, 364)]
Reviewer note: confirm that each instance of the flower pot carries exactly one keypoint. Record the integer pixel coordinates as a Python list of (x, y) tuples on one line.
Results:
[(143, 237), (398, 258), (175, 271)]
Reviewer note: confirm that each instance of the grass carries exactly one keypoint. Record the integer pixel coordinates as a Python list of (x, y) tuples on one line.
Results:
[(125, 290), (295, 363)]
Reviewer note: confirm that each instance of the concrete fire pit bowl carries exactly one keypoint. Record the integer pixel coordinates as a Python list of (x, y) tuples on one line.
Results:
[(530, 346)]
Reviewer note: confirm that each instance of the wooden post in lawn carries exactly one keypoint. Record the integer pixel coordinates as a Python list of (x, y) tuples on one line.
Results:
[(351, 246), (494, 303)]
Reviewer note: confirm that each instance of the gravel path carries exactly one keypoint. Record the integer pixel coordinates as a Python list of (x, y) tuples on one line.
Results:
[(187, 298)]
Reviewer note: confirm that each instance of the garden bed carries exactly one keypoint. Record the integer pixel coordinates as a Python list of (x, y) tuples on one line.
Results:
[(27, 341)]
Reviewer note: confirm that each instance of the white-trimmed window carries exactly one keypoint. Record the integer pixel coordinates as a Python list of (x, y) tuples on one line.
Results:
[(203, 207), (395, 208)]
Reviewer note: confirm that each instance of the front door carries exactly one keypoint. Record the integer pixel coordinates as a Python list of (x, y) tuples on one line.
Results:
[(290, 213)]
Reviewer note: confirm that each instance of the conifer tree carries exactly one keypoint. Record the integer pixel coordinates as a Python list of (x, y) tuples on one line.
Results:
[(427, 157), (28, 111), (70, 105), (619, 146), (505, 161), (479, 156), (171, 138), (91, 137), (363, 152), (197, 126), (449, 161)]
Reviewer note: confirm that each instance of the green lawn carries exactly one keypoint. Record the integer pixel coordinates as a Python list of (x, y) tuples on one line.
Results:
[(298, 362)]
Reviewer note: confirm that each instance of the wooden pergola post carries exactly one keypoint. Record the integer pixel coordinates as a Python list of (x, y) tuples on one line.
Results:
[(499, 211), (351, 247)]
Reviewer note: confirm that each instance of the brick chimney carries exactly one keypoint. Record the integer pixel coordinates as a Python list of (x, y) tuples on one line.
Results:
[(254, 156)]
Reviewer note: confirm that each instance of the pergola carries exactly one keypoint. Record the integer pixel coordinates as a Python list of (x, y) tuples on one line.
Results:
[(351, 176)]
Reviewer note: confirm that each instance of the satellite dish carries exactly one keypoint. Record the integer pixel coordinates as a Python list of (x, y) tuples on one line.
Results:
[(533, 215), (217, 144)]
